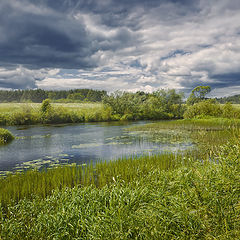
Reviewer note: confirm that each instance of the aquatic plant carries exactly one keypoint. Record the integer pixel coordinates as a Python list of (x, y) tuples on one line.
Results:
[(5, 136), (28, 184)]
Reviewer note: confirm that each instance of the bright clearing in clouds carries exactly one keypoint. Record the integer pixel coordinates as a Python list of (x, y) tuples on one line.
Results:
[(120, 45)]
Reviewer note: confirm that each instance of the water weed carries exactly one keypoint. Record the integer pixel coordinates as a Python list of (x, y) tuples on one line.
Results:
[(15, 187), (5, 136)]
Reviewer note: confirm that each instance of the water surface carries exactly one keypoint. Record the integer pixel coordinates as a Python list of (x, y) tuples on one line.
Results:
[(41, 146)]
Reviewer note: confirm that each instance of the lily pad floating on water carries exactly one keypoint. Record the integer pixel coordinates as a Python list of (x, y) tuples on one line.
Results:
[(63, 155), (87, 145)]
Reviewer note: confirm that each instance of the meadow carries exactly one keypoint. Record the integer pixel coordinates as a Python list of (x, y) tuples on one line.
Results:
[(191, 194), (14, 107), (31, 113)]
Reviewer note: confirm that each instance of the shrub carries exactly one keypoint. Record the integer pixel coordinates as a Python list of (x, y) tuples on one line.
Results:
[(46, 106), (205, 108), (46, 111), (229, 111), (127, 117), (5, 136)]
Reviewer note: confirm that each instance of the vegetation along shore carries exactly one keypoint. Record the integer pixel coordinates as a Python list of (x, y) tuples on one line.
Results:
[(189, 194), (125, 106)]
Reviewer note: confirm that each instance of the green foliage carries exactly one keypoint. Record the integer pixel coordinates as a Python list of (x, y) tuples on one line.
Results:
[(210, 108), (46, 111), (124, 102), (5, 136), (134, 106), (229, 111), (198, 94), (46, 106), (202, 109), (34, 183), (76, 96)]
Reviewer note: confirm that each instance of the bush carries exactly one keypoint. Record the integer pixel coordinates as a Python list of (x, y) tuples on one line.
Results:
[(205, 108), (229, 111), (162, 104), (127, 117), (5, 136)]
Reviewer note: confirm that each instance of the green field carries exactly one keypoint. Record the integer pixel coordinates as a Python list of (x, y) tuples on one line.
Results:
[(14, 107), (30, 113)]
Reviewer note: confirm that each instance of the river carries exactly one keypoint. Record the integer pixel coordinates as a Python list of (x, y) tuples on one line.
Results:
[(53, 145)]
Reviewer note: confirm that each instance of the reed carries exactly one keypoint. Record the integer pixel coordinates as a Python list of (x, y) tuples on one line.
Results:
[(206, 124), (197, 200), (31, 183)]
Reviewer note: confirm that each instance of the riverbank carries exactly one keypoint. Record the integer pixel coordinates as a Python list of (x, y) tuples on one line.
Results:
[(189, 195), (30, 113), (190, 200)]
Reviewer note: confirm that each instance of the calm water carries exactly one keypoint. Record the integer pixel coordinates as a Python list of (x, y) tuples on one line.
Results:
[(40, 146)]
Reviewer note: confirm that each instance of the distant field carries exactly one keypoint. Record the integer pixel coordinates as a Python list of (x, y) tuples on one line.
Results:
[(31, 113), (14, 107), (236, 105)]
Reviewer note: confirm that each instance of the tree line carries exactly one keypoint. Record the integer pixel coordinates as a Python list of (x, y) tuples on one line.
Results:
[(235, 99), (38, 95)]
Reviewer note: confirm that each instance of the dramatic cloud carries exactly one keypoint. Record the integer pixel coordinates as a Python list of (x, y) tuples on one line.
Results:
[(127, 45)]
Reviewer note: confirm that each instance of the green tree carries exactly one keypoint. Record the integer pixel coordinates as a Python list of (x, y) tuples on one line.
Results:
[(76, 96), (46, 111), (46, 106), (198, 94)]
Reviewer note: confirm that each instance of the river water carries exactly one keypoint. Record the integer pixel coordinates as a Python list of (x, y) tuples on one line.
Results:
[(49, 146)]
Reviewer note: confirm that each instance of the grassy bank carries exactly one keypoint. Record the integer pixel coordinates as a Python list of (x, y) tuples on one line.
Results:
[(194, 200), (30, 113), (207, 133), (34, 183), (185, 195), (126, 109)]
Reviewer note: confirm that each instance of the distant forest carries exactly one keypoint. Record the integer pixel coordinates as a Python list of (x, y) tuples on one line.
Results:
[(38, 95), (232, 99), (75, 95)]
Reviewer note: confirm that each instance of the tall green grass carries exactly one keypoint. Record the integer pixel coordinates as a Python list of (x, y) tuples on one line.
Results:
[(206, 124), (30, 113), (32, 183), (200, 200), (185, 195)]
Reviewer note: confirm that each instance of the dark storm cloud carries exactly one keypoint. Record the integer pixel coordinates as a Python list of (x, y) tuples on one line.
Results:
[(40, 40), (114, 13), (48, 37), (225, 80), (42, 33)]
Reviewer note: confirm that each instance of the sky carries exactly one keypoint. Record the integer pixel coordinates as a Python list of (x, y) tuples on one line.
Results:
[(127, 45)]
